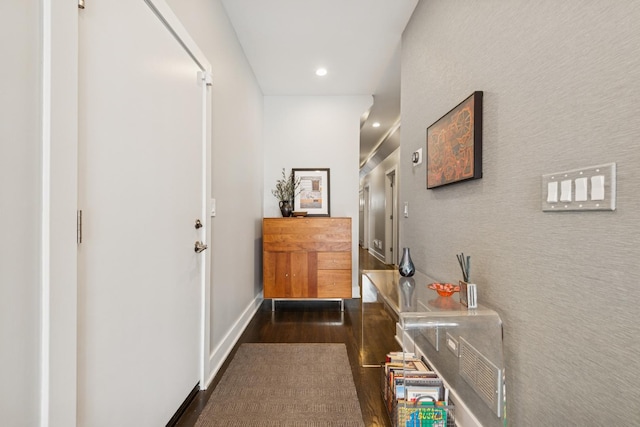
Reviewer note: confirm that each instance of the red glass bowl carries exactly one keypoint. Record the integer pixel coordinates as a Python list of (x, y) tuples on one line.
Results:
[(444, 289)]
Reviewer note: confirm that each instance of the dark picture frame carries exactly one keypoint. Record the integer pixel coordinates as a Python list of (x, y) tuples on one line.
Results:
[(315, 191), (454, 144)]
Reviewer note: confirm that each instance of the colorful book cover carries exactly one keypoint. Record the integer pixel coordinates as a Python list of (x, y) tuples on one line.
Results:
[(424, 414)]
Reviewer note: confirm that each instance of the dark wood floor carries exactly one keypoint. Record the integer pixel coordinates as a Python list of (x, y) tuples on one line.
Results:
[(319, 321)]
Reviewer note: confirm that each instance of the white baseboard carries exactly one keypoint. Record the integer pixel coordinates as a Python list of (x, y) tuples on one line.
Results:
[(222, 350), (377, 255)]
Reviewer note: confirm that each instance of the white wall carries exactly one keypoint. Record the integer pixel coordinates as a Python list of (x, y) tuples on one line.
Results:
[(38, 181), (316, 132), (38, 284), (20, 205), (237, 174), (560, 82)]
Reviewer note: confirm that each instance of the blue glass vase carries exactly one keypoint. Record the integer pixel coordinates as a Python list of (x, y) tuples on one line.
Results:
[(406, 267)]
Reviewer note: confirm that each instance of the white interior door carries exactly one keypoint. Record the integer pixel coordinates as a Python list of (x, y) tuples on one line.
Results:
[(141, 191), (367, 218), (390, 211)]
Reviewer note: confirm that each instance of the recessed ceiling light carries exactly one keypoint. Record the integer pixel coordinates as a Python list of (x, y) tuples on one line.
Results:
[(321, 72), (376, 125)]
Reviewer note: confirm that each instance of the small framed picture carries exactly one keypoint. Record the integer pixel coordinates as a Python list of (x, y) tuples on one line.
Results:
[(313, 196)]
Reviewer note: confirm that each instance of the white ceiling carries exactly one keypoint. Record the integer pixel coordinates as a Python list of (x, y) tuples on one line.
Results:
[(357, 41)]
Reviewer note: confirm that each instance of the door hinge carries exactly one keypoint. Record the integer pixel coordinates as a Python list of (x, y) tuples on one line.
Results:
[(80, 4), (79, 227)]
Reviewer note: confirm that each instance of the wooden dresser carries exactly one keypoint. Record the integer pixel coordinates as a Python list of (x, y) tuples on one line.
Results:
[(306, 258)]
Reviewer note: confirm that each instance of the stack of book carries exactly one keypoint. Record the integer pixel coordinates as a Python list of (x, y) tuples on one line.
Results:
[(413, 393)]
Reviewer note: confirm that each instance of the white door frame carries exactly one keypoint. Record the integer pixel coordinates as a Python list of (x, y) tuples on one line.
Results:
[(59, 198), (58, 259), (391, 216)]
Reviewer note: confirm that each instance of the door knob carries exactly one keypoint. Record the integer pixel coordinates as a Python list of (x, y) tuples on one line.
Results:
[(198, 224), (199, 247)]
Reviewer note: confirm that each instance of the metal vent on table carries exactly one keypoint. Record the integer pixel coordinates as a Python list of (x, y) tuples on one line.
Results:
[(482, 375)]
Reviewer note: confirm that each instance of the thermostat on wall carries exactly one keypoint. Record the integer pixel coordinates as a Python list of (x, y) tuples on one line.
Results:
[(416, 157)]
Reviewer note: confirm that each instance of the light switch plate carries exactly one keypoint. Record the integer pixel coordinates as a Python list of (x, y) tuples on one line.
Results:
[(452, 344), (608, 203)]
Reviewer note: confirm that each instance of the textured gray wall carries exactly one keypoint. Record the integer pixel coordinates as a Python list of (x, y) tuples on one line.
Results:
[(561, 84)]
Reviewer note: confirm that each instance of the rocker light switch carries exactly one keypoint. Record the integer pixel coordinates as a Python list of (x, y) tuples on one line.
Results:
[(597, 187), (581, 189), (565, 190), (552, 192)]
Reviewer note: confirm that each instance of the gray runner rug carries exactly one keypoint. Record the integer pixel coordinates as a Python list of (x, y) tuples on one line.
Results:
[(285, 385)]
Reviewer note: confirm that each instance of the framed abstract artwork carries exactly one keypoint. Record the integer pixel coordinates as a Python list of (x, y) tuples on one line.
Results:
[(454, 144), (313, 196)]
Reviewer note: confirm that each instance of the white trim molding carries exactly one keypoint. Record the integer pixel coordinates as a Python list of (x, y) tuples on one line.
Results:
[(59, 180), (222, 350)]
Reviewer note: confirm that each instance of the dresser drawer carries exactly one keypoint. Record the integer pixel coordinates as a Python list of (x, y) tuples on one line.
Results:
[(308, 234), (334, 260), (334, 283)]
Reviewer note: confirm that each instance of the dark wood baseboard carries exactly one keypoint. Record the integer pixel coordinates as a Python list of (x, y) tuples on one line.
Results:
[(183, 408)]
